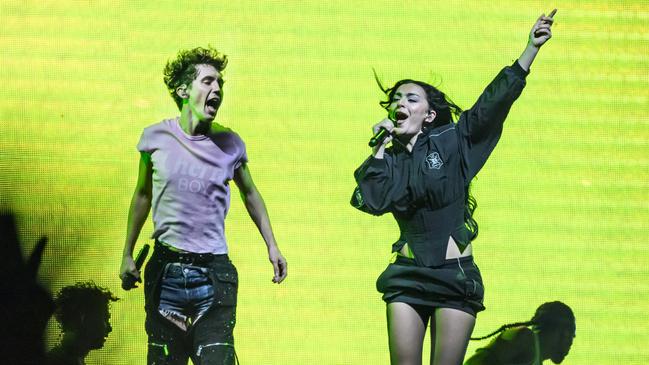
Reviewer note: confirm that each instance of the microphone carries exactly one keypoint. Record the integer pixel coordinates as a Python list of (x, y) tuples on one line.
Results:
[(378, 137), (129, 281), (383, 133)]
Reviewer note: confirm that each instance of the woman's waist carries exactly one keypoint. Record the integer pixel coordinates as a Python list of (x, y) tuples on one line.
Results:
[(453, 249), (426, 221), (426, 237), (409, 261)]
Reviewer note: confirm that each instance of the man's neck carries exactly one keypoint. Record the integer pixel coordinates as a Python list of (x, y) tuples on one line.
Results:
[(70, 345), (547, 343), (191, 125)]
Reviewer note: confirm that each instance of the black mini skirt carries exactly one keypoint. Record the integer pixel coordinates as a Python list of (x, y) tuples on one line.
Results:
[(456, 284)]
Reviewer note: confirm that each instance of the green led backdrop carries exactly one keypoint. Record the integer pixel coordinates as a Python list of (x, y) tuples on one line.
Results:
[(563, 202)]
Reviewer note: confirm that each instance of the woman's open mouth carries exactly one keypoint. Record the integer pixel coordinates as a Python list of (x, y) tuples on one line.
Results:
[(399, 115)]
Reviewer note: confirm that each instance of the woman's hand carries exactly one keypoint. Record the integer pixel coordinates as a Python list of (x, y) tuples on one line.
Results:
[(541, 31), (387, 124)]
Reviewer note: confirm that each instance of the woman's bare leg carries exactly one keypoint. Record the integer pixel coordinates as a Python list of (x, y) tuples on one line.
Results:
[(406, 331), (450, 331)]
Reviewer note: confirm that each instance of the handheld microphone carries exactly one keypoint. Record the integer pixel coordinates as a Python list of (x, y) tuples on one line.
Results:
[(378, 137), (128, 282), (382, 134)]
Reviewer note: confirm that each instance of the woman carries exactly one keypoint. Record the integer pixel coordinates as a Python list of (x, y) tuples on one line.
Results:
[(423, 180), (548, 335)]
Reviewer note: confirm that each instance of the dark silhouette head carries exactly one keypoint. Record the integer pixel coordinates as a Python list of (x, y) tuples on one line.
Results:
[(82, 311), (556, 322)]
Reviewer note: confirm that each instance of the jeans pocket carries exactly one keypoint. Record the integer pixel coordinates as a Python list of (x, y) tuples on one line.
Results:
[(172, 271), (225, 288)]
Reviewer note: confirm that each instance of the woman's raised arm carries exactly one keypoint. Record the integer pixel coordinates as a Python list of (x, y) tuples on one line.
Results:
[(541, 32)]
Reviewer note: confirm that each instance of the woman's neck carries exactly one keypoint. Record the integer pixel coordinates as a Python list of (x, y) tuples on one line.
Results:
[(408, 141)]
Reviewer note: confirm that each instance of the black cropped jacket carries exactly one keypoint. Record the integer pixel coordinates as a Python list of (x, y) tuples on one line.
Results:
[(425, 189)]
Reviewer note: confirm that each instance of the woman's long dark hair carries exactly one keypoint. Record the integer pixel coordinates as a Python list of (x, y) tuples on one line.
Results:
[(447, 112), (548, 316)]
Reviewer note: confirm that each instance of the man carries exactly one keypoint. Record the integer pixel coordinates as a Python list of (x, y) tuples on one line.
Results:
[(82, 311), (185, 167), (548, 335)]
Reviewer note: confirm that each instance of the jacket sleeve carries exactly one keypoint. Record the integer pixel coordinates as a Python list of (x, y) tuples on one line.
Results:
[(374, 180), (480, 127)]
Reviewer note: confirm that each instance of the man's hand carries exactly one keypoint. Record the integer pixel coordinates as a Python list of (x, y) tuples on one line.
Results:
[(279, 264), (541, 31), (128, 269)]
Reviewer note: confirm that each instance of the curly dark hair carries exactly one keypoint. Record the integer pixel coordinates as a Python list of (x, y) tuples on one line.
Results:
[(75, 300), (447, 112), (182, 70), (548, 316)]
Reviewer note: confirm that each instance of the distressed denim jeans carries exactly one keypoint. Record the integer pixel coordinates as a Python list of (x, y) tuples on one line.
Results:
[(186, 293), (191, 310)]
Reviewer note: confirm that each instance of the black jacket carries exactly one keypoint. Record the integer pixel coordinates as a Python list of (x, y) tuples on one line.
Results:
[(425, 189)]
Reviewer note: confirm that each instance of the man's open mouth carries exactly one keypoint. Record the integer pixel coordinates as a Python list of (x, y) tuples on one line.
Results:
[(213, 103)]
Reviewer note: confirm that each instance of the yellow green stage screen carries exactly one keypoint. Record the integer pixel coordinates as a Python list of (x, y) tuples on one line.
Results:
[(563, 201)]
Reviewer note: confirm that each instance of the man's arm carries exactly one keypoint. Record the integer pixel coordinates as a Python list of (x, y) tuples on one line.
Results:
[(137, 214), (257, 210)]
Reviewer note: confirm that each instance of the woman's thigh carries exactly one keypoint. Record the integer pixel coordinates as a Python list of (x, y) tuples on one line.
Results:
[(450, 331), (406, 331)]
